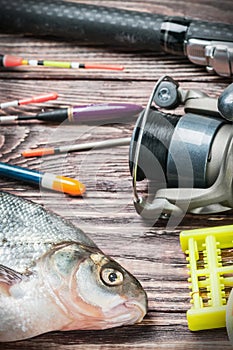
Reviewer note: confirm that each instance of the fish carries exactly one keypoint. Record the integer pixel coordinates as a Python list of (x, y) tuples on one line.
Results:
[(53, 277)]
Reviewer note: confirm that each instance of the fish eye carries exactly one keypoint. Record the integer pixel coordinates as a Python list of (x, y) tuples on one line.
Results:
[(112, 277)]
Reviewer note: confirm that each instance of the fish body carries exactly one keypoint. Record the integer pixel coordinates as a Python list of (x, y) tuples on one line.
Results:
[(53, 277)]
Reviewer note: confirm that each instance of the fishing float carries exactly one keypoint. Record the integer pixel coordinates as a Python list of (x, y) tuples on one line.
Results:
[(39, 152), (50, 181), (30, 100), (105, 112), (8, 61)]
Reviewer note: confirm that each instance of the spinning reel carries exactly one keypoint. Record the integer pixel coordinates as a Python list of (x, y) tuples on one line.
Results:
[(188, 159)]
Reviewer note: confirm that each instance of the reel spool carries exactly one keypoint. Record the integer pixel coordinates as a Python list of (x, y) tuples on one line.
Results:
[(186, 159)]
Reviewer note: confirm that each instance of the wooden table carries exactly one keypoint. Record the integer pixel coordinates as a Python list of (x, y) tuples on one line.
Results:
[(106, 213)]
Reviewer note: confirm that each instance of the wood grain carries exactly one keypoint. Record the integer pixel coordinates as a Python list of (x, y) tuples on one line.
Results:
[(106, 213)]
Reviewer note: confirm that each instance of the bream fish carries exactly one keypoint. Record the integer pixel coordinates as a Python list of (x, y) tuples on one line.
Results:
[(53, 277)]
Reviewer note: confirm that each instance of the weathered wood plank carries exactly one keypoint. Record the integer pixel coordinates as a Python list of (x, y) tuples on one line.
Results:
[(106, 213)]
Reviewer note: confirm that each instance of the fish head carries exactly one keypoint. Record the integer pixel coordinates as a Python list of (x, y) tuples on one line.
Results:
[(118, 295), (99, 293)]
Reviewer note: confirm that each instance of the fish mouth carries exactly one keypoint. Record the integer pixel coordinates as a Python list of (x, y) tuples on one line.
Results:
[(138, 310), (127, 313)]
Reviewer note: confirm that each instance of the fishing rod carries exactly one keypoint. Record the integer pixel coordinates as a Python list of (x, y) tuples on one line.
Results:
[(8, 61), (204, 43), (105, 112)]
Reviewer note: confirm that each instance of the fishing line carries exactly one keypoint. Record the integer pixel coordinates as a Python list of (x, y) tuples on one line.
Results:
[(156, 139)]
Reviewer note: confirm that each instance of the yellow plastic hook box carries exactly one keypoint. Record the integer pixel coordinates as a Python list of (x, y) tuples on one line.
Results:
[(210, 263)]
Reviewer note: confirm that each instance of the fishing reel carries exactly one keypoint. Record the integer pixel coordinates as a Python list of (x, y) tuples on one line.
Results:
[(188, 159)]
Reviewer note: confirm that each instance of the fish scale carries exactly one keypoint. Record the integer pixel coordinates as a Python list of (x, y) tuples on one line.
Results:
[(28, 231)]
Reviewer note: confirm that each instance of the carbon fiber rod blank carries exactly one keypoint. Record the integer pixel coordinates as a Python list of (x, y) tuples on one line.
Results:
[(205, 43)]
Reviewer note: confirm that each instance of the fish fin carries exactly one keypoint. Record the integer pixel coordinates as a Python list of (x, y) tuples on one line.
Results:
[(229, 317), (9, 276)]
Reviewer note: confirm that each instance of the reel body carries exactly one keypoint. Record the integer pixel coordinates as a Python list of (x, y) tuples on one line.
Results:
[(187, 160)]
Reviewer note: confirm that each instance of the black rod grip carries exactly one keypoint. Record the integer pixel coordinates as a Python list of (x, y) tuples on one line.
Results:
[(210, 31), (100, 25), (81, 22)]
